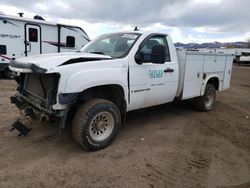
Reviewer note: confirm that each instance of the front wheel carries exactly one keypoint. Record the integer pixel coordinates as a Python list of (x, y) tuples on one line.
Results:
[(96, 124), (206, 102)]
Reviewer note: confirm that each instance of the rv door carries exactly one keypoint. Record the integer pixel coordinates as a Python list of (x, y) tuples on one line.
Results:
[(32, 39)]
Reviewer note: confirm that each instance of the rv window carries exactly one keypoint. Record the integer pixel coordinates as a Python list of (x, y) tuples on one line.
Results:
[(70, 41), (3, 49), (33, 37)]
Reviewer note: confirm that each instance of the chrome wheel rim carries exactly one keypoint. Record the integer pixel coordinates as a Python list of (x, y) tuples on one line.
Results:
[(209, 100), (101, 126)]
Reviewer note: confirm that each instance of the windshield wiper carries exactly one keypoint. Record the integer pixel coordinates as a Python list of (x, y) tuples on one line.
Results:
[(97, 53)]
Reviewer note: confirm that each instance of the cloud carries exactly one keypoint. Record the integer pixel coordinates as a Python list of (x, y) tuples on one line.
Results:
[(199, 17), (184, 13), (247, 36)]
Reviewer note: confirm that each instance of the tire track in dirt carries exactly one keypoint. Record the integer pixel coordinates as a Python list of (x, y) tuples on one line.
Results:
[(243, 185), (228, 126), (176, 168)]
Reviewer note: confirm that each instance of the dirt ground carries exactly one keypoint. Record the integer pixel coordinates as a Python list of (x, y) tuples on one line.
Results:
[(166, 146)]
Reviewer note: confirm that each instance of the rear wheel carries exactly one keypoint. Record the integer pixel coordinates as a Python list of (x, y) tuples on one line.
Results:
[(96, 124), (206, 102)]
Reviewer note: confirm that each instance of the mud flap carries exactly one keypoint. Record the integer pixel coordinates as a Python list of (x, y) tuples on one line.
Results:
[(21, 128)]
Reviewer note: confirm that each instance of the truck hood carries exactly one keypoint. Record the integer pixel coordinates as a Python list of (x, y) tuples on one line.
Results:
[(42, 63)]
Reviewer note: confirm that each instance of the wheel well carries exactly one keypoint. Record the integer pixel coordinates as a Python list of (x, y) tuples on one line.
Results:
[(214, 81), (113, 93)]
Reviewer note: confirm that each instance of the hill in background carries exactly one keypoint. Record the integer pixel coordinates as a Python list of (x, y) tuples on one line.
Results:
[(213, 45)]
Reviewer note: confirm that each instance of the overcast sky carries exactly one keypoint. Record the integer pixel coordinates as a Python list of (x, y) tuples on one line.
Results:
[(186, 20)]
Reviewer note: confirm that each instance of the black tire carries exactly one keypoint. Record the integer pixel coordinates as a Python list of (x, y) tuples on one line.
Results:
[(205, 103), (9, 74), (90, 119)]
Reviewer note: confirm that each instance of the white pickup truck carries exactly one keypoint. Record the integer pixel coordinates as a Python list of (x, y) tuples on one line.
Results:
[(114, 74)]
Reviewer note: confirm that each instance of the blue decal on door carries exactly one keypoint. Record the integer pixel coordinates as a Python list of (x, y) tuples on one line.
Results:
[(155, 73)]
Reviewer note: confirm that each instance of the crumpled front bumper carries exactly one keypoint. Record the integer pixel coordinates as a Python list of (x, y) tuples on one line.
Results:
[(25, 67)]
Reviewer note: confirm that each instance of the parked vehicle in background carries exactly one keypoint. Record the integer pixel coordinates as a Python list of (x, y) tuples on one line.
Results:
[(244, 58), (114, 74), (21, 37)]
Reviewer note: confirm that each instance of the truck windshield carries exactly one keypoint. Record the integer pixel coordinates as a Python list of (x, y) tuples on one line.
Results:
[(115, 45)]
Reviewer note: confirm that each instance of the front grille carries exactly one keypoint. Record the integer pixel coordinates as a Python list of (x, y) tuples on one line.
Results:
[(40, 89)]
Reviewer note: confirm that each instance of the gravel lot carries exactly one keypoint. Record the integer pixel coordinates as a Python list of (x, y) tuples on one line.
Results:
[(166, 146)]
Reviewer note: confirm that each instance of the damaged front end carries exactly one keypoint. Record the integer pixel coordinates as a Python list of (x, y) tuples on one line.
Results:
[(36, 94)]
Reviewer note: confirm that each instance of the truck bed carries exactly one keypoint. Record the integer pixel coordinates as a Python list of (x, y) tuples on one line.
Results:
[(197, 67)]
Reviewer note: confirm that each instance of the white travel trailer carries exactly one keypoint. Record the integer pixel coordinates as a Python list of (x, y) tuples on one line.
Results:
[(21, 37)]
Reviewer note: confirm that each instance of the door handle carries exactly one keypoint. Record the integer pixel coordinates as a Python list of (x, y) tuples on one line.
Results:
[(168, 70), (28, 43)]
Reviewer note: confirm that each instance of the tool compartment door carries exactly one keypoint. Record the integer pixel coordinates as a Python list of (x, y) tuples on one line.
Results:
[(193, 75), (228, 72)]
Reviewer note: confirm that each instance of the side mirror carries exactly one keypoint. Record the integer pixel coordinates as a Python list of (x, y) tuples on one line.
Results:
[(138, 58), (158, 54)]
